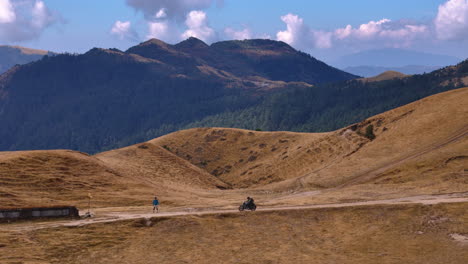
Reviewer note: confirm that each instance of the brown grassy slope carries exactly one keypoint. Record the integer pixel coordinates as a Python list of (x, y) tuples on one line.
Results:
[(157, 166), (420, 127), (376, 234), (38, 178), (246, 158), (124, 177)]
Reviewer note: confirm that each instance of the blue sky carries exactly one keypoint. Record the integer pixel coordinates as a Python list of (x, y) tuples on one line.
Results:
[(316, 26)]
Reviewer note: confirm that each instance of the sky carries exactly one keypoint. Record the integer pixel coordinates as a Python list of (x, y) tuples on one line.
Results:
[(326, 29)]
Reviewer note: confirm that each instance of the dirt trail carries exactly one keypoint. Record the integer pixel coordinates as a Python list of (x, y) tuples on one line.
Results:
[(107, 215)]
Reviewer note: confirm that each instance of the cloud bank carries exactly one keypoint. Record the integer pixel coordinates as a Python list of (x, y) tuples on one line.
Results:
[(24, 20), (166, 18), (384, 31), (171, 8), (451, 22), (175, 20)]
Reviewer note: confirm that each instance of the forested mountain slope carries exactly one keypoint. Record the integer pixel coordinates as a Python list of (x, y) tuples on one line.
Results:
[(105, 97)]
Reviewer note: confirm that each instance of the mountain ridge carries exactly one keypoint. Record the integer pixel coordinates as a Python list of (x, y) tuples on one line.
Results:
[(392, 57), (152, 87), (106, 98), (13, 55)]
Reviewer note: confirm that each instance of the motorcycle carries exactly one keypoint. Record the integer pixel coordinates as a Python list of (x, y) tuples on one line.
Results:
[(244, 206)]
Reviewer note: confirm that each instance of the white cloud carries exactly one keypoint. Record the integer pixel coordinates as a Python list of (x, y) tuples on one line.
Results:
[(197, 23), (380, 33), (343, 33), (159, 30), (165, 18), (371, 29), (399, 33), (172, 8), (124, 30), (24, 20), (295, 30), (451, 22), (7, 14), (231, 33), (41, 17)]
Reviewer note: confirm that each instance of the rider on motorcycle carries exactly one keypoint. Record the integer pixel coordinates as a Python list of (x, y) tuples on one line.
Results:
[(249, 202), (248, 205)]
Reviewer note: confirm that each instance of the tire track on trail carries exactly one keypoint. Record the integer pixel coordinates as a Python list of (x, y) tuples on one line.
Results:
[(122, 216)]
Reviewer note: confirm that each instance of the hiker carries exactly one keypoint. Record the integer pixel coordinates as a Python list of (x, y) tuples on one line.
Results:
[(156, 204)]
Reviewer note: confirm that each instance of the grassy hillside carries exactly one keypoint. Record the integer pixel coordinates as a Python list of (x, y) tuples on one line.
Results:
[(416, 149), (327, 160)]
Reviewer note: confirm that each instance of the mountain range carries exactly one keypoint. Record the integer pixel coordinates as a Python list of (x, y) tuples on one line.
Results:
[(94, 100), (107, 98), (394, 58), (12, 55), (370, 71)]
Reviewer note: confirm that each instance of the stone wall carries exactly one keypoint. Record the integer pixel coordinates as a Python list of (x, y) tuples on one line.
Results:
[(44, 212)]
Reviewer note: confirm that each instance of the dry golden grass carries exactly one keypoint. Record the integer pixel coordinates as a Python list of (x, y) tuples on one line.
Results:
[(244, 158), (374, 234), (39, 178)]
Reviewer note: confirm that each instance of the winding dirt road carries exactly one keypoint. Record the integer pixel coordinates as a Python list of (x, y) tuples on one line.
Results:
[(106, 215)]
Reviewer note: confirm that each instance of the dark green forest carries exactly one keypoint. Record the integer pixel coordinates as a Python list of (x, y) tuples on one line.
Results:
[(332, 106)]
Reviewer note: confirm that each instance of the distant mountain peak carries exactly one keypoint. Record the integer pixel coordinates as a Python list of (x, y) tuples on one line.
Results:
[(155, 45), (191, 42), (154, 49), (27, 51), (12, 55), (388, 75), (95, 51), (154, 41), (246, 44)]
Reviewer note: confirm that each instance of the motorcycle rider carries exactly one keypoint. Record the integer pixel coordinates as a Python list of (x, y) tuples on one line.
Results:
[(249, 202)]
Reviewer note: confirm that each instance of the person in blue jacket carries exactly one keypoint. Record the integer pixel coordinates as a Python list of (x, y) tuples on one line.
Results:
[(156, 204)]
